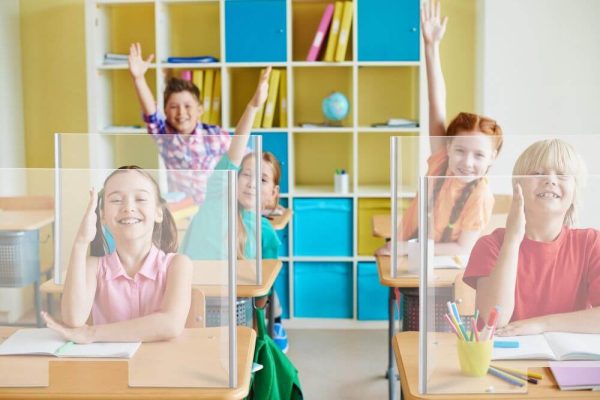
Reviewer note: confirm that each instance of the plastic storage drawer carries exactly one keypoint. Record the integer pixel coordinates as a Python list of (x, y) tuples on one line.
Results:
[(19, 258), (323, 289)]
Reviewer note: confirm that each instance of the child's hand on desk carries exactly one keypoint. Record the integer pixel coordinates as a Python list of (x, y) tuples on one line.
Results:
[(87, 229), (531, 326), (81, 335)]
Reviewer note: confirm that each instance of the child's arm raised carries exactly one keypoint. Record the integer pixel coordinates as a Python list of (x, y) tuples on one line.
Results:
[(498, 289), (80, 284), (238, 147), (165, 324), (433, 29), (138, 68)]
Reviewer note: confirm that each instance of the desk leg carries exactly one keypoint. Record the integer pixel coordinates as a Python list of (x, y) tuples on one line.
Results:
[(271, 314), (391, 375)]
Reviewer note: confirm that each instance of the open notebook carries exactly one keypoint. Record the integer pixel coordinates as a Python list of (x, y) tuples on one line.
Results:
[(45, 341), (551, 346)]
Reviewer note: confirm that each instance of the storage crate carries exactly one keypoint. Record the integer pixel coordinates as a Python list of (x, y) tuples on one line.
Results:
[(323, 227), (277, 143), (19, 258), (372, 295), (323, 289), (217, 313)]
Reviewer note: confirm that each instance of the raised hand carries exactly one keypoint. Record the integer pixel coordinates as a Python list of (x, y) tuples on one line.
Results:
[(262, 89), (515, 222), (137, 65), (87, 229), (433, 26)]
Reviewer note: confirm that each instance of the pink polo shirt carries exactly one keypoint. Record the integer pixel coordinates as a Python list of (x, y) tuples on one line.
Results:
[(120, 297)]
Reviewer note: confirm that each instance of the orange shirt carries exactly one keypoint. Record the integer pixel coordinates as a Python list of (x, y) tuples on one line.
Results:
[(474, 216)]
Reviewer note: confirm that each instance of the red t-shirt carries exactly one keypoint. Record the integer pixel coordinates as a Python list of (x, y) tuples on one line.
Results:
[(556, 277)]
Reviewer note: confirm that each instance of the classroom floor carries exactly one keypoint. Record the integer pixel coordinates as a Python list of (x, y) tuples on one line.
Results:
[(340, 364)]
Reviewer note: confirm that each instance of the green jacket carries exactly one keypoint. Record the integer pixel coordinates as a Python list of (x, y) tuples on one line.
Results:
[(278, 380)]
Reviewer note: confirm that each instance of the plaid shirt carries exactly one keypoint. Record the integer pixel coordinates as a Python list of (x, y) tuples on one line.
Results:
[(199, 151)]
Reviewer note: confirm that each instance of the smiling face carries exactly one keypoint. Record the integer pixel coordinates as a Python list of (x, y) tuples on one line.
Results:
[(246, 187), (548, 193), (471, 155), (182, 111), (130, 206)]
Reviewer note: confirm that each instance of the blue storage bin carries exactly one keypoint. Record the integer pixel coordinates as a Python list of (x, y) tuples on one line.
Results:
[(323, 289), (388, 30), (277, 143), (323, 227), (372, 295), (255, 31), (284, 235), (282, 287)]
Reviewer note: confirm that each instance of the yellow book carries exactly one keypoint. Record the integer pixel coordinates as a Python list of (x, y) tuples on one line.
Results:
[(184, 213), (215, 111), (259, 115), (197, 79), (334, 31), (342, 45), (270, 104), (209, 76), (283, 111)]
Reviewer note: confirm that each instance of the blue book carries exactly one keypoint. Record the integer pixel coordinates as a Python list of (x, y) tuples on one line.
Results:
[(198, 59)]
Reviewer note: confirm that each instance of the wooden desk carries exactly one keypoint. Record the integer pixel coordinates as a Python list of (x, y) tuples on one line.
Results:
[(25, 220), (279, 222), (406, 350), (382, 227), (156, 363), (404, 282)]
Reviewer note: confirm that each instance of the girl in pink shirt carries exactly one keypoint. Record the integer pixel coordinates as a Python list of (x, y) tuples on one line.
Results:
[(543, 274), (140, 292)]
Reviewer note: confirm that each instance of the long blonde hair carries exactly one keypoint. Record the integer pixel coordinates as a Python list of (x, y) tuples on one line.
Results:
[(242, 235), (560, 156)]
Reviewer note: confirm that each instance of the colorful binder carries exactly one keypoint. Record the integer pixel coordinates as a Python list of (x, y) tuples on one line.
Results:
[(209, 76), (340, 51), (271, 98), (186, 74), (334, 31), (317, 43), (283, 112), (215, 111)]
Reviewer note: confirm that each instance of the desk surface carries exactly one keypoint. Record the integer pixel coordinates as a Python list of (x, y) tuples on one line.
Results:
[(443, 277), (170, 361), (25, 220), (406, 351), (381, 226), (211, 273), (280, 221)]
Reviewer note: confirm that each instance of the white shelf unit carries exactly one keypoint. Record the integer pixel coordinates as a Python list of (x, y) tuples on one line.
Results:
[(375, 89)]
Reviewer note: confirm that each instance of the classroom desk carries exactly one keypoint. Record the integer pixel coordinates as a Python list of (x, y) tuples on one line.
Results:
[(405, 282), (210, 274), (109, 378), (279, 222), (381, 226), (406, 350)]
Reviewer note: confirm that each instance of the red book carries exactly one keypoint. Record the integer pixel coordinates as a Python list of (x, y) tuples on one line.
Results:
[(317, 43)]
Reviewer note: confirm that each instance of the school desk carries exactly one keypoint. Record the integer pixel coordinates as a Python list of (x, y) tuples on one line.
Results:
[(406, 350), (209, 278), (406, 283), (12, 220), (381, 226), (189, 359), (279, 222)]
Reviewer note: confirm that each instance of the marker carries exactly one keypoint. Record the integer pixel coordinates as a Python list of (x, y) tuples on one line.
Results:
[(64, 347), (518, 372), (506, 377), (506, 344), (488, 329)]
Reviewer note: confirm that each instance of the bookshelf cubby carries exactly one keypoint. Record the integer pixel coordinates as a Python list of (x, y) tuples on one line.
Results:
[(381, 76)]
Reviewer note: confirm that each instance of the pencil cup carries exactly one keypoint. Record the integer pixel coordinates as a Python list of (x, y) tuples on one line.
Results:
[(340, 183), (474, 357)]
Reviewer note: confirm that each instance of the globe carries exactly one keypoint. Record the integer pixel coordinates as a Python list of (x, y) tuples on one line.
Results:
[(335, 106)]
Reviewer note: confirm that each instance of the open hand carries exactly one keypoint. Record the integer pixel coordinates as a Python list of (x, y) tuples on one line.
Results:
[(262, 90), (81, 335), (137, 65), (531, 326), (87, 229), (515, 222), (433, 27)]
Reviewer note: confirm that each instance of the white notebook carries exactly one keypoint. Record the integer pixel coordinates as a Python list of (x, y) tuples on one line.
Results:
[(556, 346), (45, 341)]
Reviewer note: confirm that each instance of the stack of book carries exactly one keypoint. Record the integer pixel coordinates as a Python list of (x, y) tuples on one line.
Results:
[(277, 88), (209, 83), (115, 59), (335, 26)]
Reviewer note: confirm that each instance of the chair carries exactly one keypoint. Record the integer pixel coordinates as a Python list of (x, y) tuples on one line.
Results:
[(197, 315), (20, 253)]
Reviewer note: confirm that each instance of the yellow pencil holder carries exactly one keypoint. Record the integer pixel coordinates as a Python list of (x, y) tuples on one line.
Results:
[(474, 357)]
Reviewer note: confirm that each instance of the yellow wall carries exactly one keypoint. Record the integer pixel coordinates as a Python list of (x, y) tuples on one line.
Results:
[(54, 75), (54, 72)]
